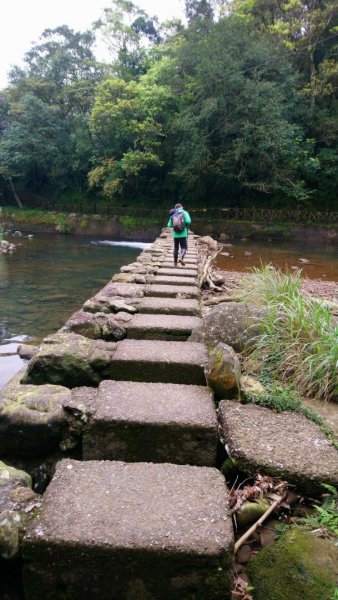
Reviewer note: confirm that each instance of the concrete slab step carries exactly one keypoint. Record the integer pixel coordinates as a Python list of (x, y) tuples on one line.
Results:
[(130, 531), (168, 263), (152, 422), (189, 257), (289, 445), (157, 361), (180, 279), (174, 306), (178, 271), (161, 327), (172, 291)]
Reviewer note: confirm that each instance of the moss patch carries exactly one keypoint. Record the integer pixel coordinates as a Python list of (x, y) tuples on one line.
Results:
[(300, 565)]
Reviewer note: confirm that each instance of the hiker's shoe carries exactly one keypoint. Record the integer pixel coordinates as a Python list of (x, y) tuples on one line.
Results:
[(182, 262), (175, 263)]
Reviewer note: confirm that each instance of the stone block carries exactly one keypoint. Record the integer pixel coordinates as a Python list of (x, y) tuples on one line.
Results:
[(288, 446), (173, 291), (159, 362), (177, 271), (178, 279), (161, 327), (130, 531), (152, 422), (174, 306)]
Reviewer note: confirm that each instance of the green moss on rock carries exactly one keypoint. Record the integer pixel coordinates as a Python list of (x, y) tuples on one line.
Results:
[(300, 566)]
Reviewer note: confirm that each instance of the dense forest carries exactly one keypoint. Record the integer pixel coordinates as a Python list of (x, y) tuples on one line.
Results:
[(236, 106)]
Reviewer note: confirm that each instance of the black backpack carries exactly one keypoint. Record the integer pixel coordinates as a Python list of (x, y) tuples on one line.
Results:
[(178, 222)]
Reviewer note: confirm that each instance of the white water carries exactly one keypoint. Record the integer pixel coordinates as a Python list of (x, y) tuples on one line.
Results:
[(141, 245)]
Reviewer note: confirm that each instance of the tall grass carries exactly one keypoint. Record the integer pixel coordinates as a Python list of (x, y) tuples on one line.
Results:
[(298, 338)]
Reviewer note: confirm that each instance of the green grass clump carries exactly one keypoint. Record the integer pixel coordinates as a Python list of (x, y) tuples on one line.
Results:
[(298, 338)]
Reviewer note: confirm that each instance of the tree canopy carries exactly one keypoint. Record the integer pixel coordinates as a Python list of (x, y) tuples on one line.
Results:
[(238, 105)]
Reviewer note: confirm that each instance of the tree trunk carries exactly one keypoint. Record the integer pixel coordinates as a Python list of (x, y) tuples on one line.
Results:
[(17, 199)]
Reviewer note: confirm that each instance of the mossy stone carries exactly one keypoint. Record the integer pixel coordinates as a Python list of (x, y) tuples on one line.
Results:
[(299, 566)]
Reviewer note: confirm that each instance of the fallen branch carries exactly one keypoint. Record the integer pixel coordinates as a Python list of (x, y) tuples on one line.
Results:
[(261, 520), (205, 270), (223, 299)]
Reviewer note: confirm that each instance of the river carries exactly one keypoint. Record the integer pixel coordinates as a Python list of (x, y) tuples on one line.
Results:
[(50, 276)]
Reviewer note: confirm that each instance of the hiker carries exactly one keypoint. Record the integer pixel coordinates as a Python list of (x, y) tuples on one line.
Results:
[(179, 220)]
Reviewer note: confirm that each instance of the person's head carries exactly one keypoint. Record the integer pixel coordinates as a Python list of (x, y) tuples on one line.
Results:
[(178, 206)]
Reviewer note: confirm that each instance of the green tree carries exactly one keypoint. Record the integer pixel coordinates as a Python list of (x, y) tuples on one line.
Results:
[(32, 148), (59, 78), (128, 32), (127, 134), (236, 129)]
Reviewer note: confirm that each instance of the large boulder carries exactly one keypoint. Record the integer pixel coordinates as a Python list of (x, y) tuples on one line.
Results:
[(98, 325), (285, 445), (71, 360), (299, 566), (223, 371), (233, 323), (208, 241), (18, 503), (32, 419), (130, 278)]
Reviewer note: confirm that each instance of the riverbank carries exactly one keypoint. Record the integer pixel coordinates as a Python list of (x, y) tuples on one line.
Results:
[(316, 288), (144, 226)]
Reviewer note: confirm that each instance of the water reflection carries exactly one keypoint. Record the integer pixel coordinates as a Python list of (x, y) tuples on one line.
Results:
[(243, 255), (49, 277), (3, 271)]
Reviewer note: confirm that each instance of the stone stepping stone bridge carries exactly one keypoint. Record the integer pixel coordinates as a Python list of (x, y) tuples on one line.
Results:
[(142, 514)]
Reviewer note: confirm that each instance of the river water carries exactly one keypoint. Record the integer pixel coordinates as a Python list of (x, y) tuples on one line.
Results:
[(47, 279), (50, 276)]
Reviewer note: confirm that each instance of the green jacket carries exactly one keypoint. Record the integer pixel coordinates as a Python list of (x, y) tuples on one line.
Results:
[(187, 221)]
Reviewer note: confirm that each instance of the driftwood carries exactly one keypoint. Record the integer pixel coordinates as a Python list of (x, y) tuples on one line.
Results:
[(220, 299), (261, 520), (205, 270)]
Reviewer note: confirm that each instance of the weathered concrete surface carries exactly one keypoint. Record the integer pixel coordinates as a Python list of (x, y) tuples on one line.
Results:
[(175, 272), (168, 263), (161, 327), (145, 532), (171, 280), (152, 422), (173, 291), (71, 360), (159, 362), (110, 327), (31, 418), (233, 323), (114, 297), (174, 306), (285, 445)]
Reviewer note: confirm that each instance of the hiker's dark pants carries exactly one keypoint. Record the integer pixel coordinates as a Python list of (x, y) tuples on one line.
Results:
[(180, 242)]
